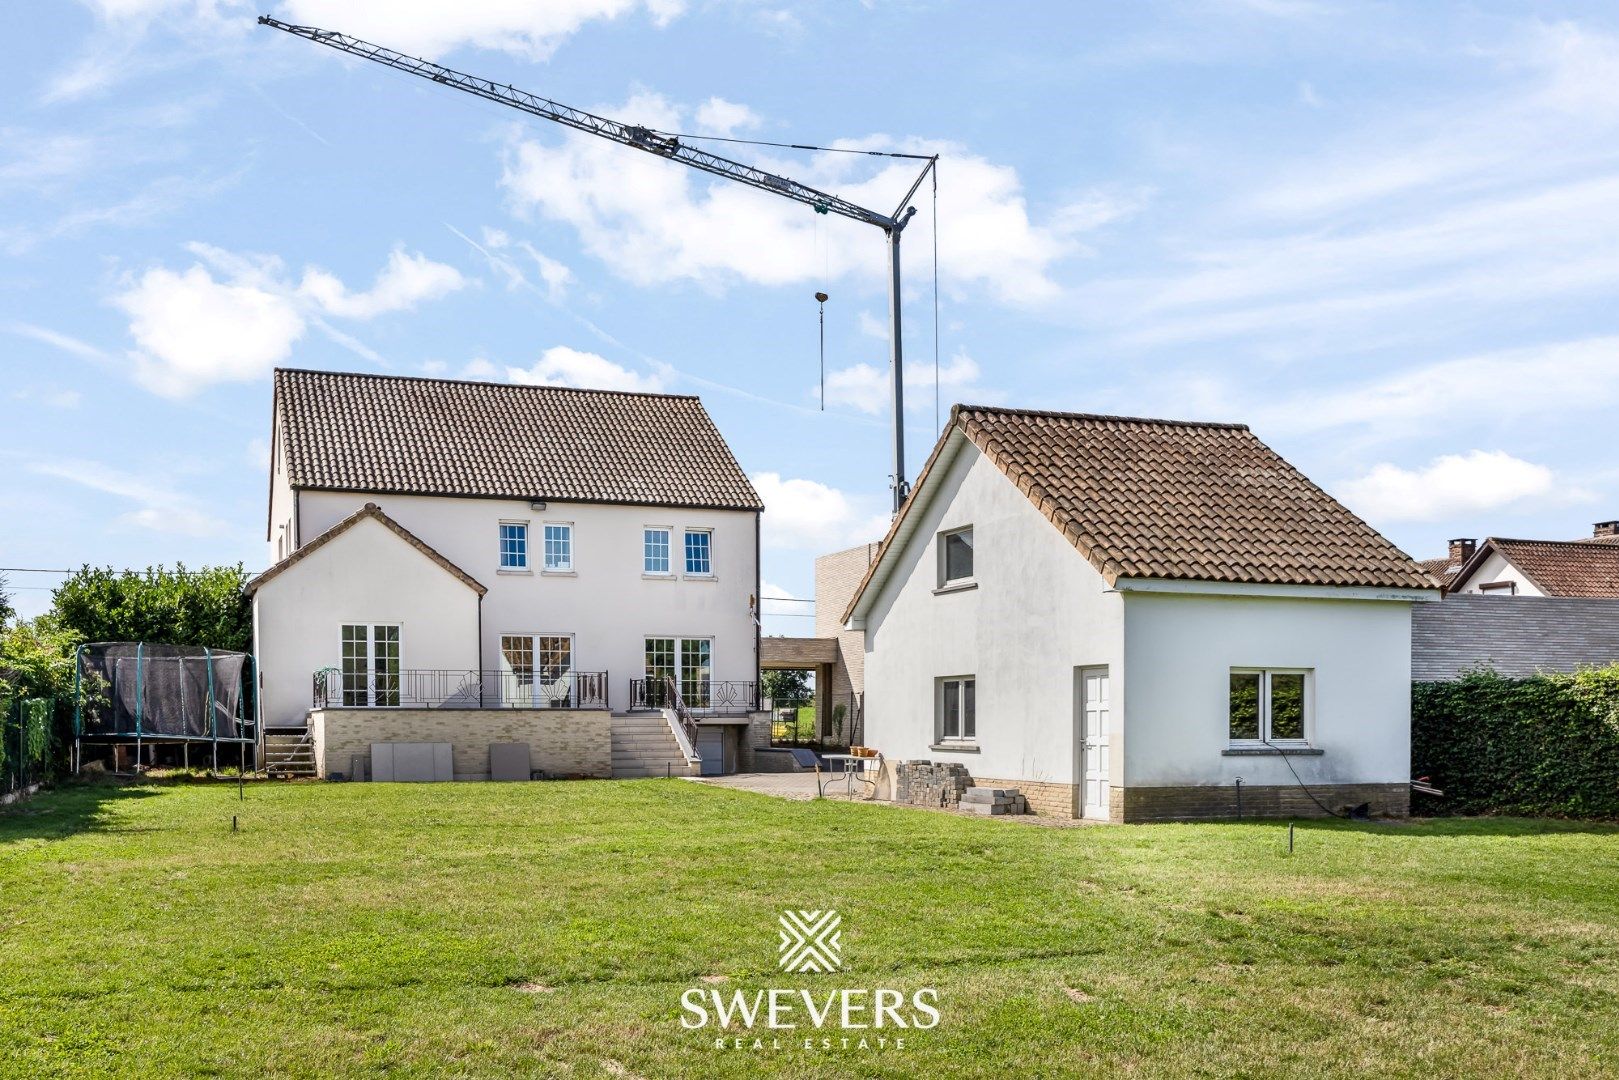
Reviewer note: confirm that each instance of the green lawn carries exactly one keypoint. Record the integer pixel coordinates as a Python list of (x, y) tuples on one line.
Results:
[(550, 929)]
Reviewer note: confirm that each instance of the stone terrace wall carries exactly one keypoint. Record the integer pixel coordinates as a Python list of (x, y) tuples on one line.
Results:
[(562, 742)]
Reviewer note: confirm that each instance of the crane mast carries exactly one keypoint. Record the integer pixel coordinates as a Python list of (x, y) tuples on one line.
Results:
[(671, 147)]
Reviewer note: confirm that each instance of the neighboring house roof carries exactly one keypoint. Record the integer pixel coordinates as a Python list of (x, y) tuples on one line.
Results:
[(1172, 499), (1585, 567), (1442, 569), (374, 512), (388, 434)]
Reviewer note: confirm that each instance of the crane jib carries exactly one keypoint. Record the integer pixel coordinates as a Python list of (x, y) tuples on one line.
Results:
[(668, 146)]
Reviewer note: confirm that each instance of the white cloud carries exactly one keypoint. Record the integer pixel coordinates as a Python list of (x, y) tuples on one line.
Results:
[(716, 116), (406, 281), (653, 221), (433, 27), (65, 342), (193, 330), (865, 388), (809, 515), (1552, 380), (1451, 485), (158, 506), (497, 247), (562, 366), (230, 317)]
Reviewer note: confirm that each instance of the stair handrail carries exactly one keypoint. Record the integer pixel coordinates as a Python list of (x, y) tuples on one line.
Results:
[(685, 725)]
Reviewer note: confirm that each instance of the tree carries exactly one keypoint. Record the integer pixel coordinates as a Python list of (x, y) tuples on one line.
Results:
[(36, 659), (165, 607), (787, 687), (7, 611)]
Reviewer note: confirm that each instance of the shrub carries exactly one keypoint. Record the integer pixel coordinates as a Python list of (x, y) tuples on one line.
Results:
[(1546, 744)]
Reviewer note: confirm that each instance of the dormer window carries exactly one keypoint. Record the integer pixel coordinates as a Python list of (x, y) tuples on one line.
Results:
[(956, 557)]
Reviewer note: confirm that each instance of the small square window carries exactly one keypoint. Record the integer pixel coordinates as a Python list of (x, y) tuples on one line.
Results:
[(1267, 707), (956, 556), (655, 551), (558, 547), (513, 545), (958, 710), (699, 552)]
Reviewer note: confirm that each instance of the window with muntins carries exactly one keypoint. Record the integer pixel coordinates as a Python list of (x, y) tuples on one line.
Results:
[(655, 551), (558, 547), (956, 556), (958, 710), (513, 545), (699, 552), (370, 664), (1267, 707)]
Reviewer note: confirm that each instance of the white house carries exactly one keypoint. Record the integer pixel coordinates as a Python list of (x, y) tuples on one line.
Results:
[(1587, 568), (1139, 619), (464, 546)]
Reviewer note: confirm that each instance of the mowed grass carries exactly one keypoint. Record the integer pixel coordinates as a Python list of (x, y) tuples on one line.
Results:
[(549, 929)]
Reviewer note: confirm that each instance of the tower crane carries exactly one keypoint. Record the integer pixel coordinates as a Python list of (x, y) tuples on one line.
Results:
[(669, 146)]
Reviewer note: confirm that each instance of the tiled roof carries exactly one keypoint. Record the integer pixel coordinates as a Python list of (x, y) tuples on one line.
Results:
[(1560, 567), (373, 511), (1171, 499), (1442, 568), (387, 434)]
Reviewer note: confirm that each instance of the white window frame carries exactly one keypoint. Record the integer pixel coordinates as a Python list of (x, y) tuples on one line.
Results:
[(370, 669), (685, 557), (945, 580), (669, 551), (517, 693), (680, 642), (942, 689), (526, 566), (1265, 741), (545, 548)]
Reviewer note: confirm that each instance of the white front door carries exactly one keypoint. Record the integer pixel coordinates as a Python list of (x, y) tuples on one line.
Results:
[(1093, 740)]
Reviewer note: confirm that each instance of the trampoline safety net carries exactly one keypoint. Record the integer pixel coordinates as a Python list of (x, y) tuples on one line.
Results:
[(160, 691)]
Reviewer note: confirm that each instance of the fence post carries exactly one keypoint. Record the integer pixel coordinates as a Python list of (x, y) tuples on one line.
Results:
[(140, 700), (213, 720)]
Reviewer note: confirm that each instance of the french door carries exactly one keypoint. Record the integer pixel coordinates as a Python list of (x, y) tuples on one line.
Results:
[(370, 664), (689, 661), (1094, 763), (536, 670)]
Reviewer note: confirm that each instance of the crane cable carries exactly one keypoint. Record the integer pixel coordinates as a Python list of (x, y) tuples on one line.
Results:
[(795, 146)]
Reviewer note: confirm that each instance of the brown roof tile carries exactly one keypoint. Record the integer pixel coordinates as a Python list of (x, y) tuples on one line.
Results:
[(1176, 499), (388, 434), (1577, 568)]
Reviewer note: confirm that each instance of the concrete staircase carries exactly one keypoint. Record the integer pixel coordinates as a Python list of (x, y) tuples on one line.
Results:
[(643, 746), (289, 755)]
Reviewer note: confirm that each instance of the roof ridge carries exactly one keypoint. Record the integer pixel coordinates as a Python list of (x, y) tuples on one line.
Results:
[(485, 382), (1582, 542), (1057, 414)]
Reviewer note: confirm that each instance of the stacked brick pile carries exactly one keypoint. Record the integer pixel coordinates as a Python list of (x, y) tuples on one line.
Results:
[(924, 783), (992, 801)]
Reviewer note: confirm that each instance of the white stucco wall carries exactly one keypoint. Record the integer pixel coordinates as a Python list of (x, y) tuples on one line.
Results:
[(282, 534), (1039, 611), (606, 603), (365, 575), (1495, 568), (1181, 649)]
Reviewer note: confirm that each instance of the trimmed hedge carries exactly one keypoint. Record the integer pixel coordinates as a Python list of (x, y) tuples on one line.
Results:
[(1543, 745)]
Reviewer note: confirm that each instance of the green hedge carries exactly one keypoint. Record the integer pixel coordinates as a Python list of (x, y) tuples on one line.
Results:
[(1547, 744)]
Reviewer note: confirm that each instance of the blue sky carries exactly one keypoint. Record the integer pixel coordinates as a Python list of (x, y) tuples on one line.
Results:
[(1386, 236)]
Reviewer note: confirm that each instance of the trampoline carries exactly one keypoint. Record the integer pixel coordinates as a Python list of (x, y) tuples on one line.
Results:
[(134, 694)]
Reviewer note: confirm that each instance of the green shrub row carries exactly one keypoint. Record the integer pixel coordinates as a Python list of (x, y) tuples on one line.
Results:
[(1543, 745)]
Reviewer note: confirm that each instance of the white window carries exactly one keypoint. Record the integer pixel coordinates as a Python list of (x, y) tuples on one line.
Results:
[(1269, 707), (956, 704), (558, 547), (514, 545), (699, 552), (688, 661), (956, 557), (655, 550), (536, 670), (370, 664)]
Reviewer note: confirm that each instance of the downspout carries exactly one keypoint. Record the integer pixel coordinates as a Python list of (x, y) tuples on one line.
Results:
[(759, 611), (480, 650)]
